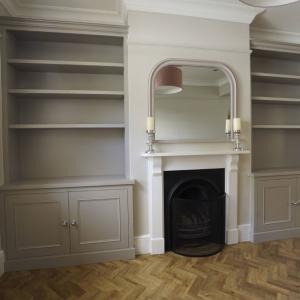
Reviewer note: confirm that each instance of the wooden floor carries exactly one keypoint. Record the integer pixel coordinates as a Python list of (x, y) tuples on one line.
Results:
[(245, 271)]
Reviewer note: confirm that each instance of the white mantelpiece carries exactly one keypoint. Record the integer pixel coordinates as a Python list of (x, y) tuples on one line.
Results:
[(160, 162)]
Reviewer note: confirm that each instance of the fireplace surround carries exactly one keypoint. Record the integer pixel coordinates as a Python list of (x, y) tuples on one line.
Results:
[(160, 162), (194, 211)]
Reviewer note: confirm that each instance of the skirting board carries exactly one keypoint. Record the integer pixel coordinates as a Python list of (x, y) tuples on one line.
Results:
[(244, 233), (276, 235), (142, 243), (68, 260), (1, 262), (232, 236)]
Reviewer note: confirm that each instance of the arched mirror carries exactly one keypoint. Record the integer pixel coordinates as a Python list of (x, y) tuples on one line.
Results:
[(191, 101)]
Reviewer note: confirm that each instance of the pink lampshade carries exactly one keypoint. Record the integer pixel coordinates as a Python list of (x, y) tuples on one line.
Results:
[(168, 80)]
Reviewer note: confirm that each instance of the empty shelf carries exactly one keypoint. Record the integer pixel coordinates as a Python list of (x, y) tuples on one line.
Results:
[(58, 37), (67, 93), (275, 100), (280, 50), (66, 66), (276, 78), (276, 126), (65, 126), (276, 171)]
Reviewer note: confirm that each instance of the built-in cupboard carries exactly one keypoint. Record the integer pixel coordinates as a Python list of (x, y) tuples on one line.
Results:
[(275, 140), (64, 222), (66, 198)]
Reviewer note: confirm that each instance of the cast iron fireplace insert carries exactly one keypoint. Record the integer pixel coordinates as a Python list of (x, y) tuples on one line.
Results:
[(194, 202)]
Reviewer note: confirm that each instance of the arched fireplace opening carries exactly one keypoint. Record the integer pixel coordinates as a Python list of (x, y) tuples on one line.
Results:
[(195, 211)]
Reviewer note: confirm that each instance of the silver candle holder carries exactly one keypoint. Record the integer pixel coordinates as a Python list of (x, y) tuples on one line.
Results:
[(228, 135), (237, 146), (150, 141)]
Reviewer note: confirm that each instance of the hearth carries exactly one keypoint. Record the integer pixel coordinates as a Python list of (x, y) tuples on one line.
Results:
[(194, 203)]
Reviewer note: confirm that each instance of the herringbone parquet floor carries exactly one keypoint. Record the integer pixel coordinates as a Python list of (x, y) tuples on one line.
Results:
[(245, 271)]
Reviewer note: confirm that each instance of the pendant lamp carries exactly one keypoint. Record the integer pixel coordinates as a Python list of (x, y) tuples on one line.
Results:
[(267, 3), (168, 80)]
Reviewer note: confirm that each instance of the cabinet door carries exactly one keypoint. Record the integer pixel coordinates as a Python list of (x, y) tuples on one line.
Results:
[(297, 206), (274, 198), (37, 224), (99, 220)]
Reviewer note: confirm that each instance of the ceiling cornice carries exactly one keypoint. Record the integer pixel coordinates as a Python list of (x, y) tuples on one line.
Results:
[(63, 26), (18, 9), (274, 35), (225, 10)]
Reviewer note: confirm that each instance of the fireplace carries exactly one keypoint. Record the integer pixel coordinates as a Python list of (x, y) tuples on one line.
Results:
[(159, 163), (194, 205)]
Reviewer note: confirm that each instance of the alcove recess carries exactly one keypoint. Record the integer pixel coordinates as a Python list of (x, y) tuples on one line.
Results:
[(275, 107), (64, 114)]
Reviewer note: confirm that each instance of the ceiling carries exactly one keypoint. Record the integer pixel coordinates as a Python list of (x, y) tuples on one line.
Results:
[(283, 18), (108, 10), (280, 18)]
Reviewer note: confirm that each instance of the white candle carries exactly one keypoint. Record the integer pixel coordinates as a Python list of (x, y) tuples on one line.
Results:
[(228, 126), (150, 123), (236, 124)]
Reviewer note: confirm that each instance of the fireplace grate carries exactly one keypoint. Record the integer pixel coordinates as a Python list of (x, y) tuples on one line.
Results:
[(195, 214)]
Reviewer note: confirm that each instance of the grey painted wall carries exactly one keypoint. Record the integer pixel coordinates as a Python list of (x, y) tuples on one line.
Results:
[(156, 37)]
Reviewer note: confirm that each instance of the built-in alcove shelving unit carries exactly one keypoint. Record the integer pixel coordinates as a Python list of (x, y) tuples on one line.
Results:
[(275, 180), (65, 144), (275, 107), (63, 106)]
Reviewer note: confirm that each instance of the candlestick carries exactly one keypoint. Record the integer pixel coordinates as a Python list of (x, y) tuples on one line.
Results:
[(237, 146), (236, 124), (228, 126), (150, 124), (150, 141)]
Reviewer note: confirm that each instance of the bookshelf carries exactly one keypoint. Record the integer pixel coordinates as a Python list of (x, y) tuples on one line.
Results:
[(275, 106), (64, 112)]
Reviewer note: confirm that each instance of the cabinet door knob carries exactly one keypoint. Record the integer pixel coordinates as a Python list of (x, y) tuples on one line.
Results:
[(295, 203), (65, 223), (74, 223)]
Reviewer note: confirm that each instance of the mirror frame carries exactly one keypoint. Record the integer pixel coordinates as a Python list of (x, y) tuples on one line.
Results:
[(195, 63)]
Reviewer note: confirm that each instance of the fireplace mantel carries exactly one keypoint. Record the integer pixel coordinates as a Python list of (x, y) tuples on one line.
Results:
[(187, 160), (195, 153)]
